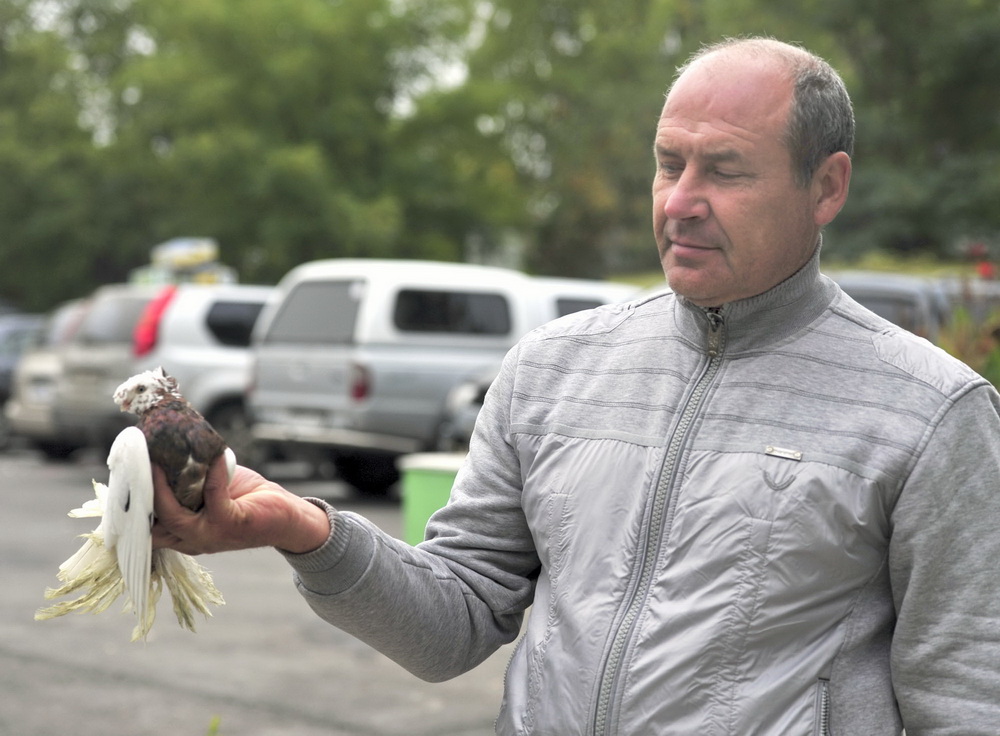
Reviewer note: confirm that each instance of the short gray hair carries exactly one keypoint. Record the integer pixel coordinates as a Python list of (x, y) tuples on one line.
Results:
[(821, 118)]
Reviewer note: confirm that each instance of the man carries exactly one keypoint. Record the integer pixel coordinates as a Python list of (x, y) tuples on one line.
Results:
[(749, 506)]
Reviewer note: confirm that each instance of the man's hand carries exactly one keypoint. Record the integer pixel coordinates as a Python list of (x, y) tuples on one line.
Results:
[(251, 511)]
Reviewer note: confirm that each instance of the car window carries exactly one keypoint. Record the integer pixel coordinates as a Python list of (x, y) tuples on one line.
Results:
[(317, 312), (899, 311), (231, 322), (64, 322), (569, 305), (452, 312), (111, 320), (17, 339)]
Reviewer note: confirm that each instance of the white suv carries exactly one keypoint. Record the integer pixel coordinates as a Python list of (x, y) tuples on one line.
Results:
[(200, 335)]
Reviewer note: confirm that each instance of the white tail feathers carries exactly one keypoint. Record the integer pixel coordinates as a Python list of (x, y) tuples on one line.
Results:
[(103, 570)]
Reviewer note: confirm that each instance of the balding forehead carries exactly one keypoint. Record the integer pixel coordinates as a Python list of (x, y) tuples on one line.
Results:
[(782, 53), (730, 59), (732, 83)]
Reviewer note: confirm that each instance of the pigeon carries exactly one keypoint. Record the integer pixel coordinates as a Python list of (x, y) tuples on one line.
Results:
[(117, 557)]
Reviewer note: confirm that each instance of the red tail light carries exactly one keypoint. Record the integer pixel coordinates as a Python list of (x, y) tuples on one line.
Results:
[(148, 327), (361, 382)]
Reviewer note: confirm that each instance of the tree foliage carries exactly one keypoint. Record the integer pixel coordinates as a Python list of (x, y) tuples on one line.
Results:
[(573, 91), (449, 129)]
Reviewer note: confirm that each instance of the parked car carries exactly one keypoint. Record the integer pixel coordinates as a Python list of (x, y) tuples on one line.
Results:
[(17, 333), (461, 410), (914, 303), (198, 333), (357, 356), (29, 411), (95, 360)]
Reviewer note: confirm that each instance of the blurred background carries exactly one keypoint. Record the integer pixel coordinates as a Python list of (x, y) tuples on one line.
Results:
[(262, 134), (507, 131)]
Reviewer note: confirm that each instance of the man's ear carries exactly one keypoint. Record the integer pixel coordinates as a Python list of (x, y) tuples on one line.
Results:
[(829, 187)]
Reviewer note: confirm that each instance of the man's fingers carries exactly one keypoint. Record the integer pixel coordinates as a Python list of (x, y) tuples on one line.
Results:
[(216, 491), (178, 527), (162, 538), (165, 505)]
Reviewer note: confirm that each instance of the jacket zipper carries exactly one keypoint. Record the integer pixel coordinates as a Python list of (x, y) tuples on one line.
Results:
[(611, 672), (823, 709)]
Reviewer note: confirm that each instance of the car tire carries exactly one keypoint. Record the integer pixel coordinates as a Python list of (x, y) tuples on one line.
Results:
[(232, 422), (370, 473), (6, 435), (56, 451)]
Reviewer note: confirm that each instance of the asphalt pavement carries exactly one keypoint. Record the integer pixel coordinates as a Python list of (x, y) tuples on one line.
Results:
[(263, 665)]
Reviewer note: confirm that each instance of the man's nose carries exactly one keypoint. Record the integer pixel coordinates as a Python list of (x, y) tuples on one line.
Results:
[(686, 198)]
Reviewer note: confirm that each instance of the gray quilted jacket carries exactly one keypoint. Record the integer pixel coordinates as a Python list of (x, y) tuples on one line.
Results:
[(778, 518)]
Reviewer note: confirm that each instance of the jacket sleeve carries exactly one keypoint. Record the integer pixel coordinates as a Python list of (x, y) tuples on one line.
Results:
[(442, 607), (944, 556)]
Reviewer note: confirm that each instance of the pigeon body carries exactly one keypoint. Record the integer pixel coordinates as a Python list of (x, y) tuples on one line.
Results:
[(117, 557), (180, 440)]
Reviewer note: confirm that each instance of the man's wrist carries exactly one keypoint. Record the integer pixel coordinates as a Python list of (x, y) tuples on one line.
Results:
[(310, 530)]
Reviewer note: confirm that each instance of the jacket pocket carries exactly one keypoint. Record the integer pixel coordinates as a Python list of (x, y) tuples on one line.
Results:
[(822, 724)]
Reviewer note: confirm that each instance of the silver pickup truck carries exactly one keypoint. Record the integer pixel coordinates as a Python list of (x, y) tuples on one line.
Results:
[(356, 357)]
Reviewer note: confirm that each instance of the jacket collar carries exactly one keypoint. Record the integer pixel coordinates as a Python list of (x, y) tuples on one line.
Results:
[(766, 318)]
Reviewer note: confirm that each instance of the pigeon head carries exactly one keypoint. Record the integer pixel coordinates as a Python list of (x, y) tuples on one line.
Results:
[(142, 391)]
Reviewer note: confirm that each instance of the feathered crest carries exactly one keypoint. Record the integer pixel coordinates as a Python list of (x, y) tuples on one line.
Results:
[(169, 382)]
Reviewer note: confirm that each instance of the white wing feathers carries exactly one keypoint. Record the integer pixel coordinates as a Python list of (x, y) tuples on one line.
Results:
[(117, 556), (128, 516)]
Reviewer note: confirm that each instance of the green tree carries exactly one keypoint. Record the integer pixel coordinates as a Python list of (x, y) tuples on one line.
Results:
[(567, 91), (929, 144), (48, 163), (268, 123), (298, 129)]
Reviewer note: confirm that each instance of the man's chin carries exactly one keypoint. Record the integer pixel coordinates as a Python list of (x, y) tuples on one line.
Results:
[(695, 286)]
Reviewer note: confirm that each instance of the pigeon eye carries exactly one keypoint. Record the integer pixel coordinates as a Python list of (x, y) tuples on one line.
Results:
[(141, 389)]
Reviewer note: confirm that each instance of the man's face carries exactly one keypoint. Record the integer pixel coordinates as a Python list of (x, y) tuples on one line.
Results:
[(730, 220)]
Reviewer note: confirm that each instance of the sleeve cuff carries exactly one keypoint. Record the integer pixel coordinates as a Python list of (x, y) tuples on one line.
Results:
[(340, 561)]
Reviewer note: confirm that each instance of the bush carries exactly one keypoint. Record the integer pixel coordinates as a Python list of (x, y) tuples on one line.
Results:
[(976, 343)]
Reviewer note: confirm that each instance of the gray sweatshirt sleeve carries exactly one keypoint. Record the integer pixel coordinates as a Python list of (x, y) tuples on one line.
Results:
[(944, 558), (442, 607)]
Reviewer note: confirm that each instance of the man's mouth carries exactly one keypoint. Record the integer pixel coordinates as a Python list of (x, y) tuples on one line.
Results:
[(681, 247)]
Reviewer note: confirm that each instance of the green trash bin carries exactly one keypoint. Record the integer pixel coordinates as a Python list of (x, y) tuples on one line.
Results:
[(427, 481)]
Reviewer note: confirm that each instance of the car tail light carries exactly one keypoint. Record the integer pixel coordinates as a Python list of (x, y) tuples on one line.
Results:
[(361, 382), (148, 327)]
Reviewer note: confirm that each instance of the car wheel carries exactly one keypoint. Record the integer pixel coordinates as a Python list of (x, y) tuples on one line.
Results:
[(372, 474), (6, 437), (56, 451), (232, 422)]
